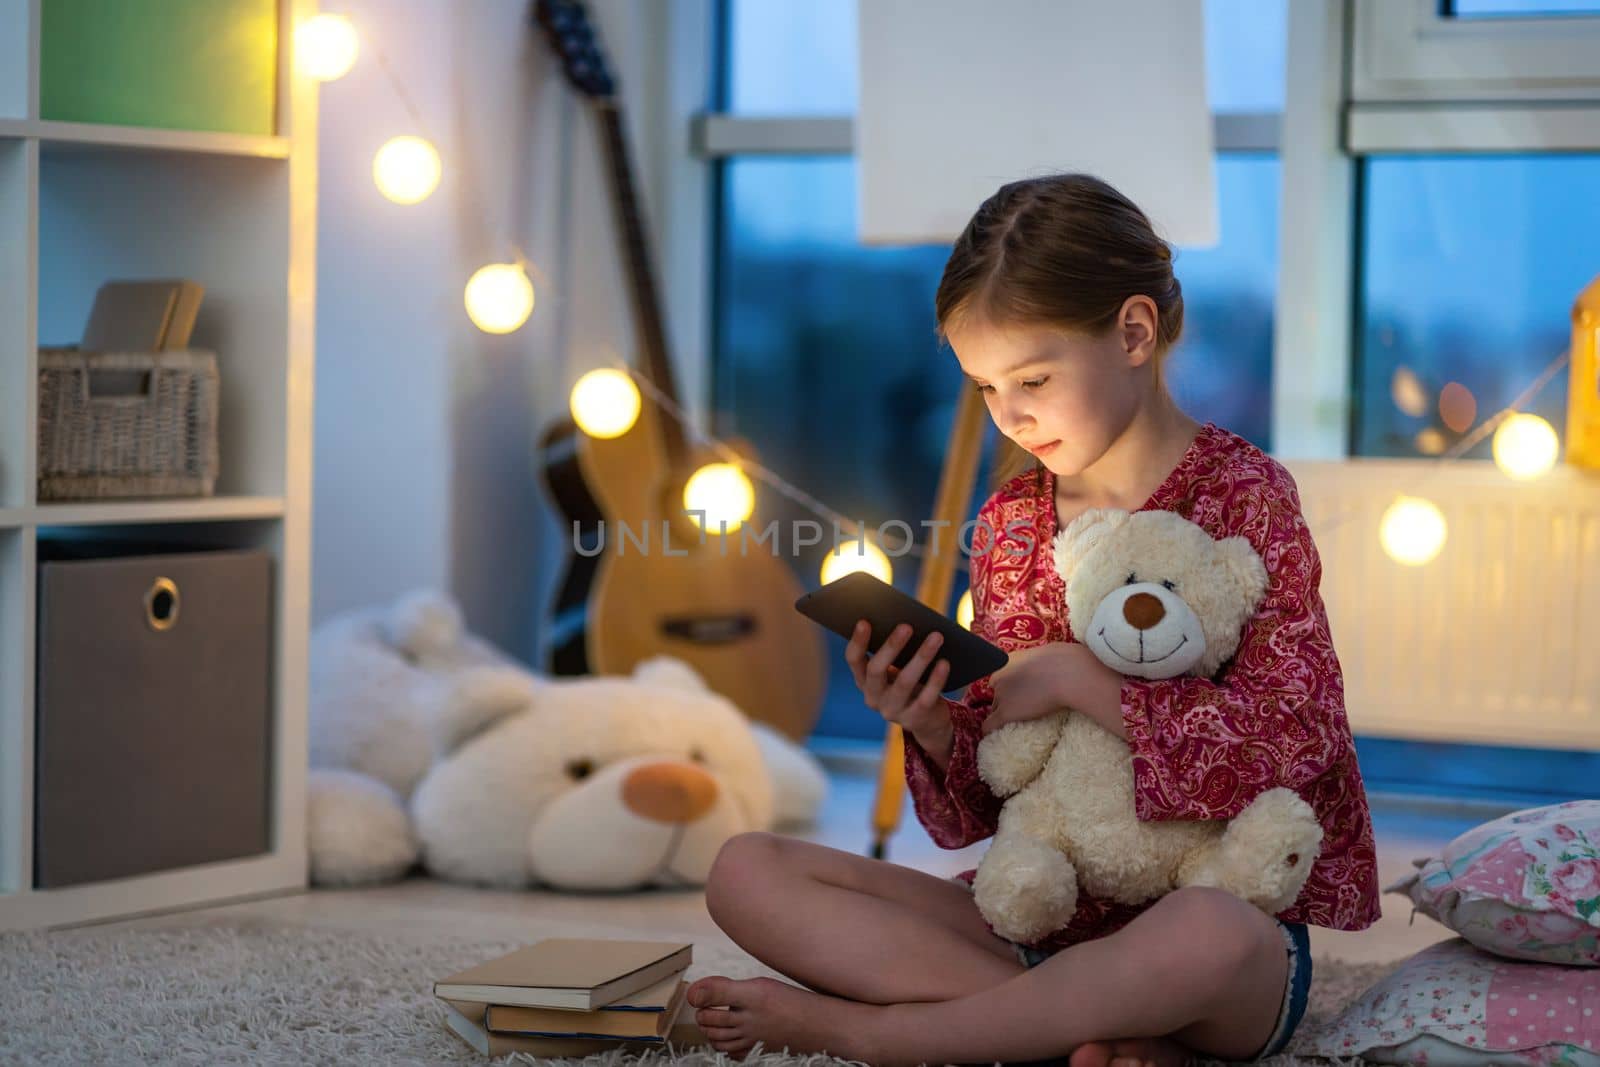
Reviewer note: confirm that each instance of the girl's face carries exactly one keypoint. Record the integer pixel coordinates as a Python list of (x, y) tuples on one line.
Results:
[(1064, 397)]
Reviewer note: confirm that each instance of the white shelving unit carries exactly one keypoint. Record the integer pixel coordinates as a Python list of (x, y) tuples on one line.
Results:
[(81, 204), (64, 136)]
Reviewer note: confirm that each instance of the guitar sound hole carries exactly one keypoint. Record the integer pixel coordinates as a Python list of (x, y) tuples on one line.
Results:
[(710, 629)]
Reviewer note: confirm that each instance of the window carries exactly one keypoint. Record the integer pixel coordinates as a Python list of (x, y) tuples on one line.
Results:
[(1469, 265), (826, 361), (791, 58), (1246, 42), (1474, 51), (1519, 9), (812, 329), (1221, 369), (800, 58), (826, 353), (1473, 126)]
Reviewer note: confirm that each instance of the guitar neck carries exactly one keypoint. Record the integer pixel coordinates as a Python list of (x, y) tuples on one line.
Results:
[(642, 290)]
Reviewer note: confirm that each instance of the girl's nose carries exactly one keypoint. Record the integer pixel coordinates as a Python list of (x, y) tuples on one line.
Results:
[(1015, 419)]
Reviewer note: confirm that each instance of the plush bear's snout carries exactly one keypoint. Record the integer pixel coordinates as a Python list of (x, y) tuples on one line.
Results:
[(1147, 631), (1143, 610), (669, 792)]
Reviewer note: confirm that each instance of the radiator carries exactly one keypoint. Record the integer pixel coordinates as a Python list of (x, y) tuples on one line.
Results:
[(1497, 640)]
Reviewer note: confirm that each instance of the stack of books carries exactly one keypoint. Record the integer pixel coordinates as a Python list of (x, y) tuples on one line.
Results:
[(573, 996)]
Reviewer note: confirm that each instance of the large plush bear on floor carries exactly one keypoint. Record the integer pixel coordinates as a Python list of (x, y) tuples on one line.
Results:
[(428, 744), (1153, 596)]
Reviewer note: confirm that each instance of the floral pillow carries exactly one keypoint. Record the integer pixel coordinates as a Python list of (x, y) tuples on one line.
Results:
[(1452, 1005), (1526, 885)]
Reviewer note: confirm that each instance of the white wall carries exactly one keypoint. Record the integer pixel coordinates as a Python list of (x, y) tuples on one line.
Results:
[(426, 470)]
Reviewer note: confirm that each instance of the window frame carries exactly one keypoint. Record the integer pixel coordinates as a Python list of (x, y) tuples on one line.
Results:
[(716, 136), (1425, 82), (1407, 50), (1364, 77)]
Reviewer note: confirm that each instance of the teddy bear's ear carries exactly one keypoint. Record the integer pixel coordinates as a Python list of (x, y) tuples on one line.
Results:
[(424, 622), (479, 698), (669, 672), (1084, 534), (1246, 572)]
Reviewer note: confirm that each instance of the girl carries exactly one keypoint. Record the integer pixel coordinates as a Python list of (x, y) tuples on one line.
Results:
[(1060, 304)]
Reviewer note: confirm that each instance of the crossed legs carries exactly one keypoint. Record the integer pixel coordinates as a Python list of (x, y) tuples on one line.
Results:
[(904, 969)]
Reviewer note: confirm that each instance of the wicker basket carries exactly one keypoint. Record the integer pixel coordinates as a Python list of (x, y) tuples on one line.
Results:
[(157, 439)]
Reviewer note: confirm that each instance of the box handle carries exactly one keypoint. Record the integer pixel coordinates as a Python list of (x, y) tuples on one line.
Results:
[(161, 603), (100, 385)]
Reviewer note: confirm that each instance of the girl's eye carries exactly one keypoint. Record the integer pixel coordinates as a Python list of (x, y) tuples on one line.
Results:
[(1032, 383), (1169, 586), (579, 769), (1131, 579)]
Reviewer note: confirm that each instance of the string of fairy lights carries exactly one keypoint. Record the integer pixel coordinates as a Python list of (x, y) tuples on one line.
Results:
[(498, 296), (719, 496)]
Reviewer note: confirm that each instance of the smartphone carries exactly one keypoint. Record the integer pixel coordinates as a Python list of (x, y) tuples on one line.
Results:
[(840, 604)]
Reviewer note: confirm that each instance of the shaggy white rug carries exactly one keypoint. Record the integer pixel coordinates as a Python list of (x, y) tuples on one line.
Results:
[(269, 993)]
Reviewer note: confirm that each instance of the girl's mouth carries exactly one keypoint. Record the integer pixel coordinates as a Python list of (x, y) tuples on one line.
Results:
[(1044, 450)]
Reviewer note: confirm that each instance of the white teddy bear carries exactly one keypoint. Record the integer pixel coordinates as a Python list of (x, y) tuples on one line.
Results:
[(427, 743), (1158, 597), (388, 689)]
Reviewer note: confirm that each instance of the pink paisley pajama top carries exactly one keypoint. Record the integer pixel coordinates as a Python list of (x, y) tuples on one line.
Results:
[(1202, 748)]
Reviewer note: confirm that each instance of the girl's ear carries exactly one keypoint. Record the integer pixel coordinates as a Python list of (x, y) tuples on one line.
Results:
[(1083, 535), (1139, 322)]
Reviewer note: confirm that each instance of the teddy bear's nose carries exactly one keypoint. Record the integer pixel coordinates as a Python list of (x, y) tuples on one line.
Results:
[(669, 792), (1143, 610)]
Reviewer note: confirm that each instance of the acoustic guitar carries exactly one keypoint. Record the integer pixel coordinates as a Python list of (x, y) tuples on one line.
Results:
[(723, 604)]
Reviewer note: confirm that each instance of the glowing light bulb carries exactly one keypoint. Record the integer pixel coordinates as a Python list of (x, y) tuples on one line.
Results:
[(499, 298), (325, 47), (719, 498), (406, 170), (1525, 446), (1412, 531), (1458, 408), (605, 403), (1407, 392), (964, 609), (1430, 442), (852, 556)]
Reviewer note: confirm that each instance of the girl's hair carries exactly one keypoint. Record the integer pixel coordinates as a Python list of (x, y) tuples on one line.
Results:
[(1064, 251)]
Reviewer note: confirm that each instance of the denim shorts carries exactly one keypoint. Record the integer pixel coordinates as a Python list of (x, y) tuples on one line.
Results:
[(1297, 943)]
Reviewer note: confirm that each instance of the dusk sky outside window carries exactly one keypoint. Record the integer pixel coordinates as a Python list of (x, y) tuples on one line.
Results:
[(826, 359)]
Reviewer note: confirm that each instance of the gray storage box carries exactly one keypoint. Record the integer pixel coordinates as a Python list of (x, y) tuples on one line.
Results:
[(154, 697)]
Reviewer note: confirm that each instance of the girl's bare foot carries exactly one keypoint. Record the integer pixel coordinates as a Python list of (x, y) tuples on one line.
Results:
[(1131, 1052), (737, 1014)]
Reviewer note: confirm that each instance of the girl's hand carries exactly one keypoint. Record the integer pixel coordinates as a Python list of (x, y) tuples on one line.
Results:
[(1060, 676), (893, 693)]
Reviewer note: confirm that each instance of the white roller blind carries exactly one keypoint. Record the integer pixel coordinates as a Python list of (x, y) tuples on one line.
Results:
[(960, 96)]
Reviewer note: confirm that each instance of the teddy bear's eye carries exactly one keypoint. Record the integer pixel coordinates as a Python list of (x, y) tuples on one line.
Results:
[(1131, 579), (580, 769), (1169, 585), (696, 755)]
